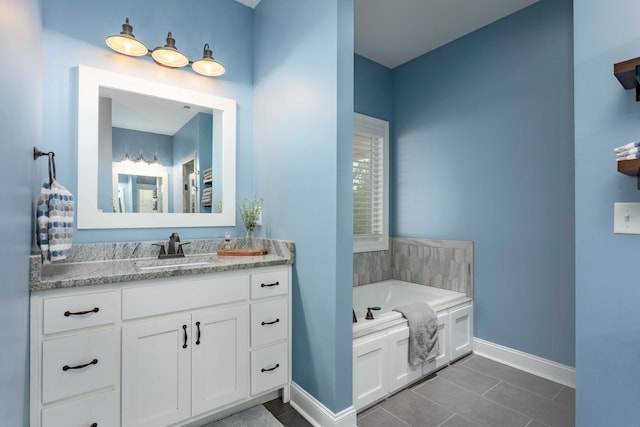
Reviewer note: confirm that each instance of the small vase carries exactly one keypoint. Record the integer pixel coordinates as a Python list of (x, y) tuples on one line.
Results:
[(248, 240)]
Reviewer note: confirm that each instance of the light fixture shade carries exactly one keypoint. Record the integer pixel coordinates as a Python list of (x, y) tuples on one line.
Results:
[(168, 55), (207, 66), (126, 43)]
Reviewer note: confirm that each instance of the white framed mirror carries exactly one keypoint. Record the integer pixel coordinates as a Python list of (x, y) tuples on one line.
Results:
[(152, 155)]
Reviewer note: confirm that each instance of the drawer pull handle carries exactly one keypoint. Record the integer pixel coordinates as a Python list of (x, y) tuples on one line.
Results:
[(67, 367), (269, 285), (80, 313), (270, 323), (270, 369), (184, 328), (198, 338)]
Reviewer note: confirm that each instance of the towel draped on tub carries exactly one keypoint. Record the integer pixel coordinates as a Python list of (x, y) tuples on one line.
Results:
[(423, 331)]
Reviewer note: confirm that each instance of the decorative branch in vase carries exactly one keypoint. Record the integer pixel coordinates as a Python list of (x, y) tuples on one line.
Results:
[(250, 211)]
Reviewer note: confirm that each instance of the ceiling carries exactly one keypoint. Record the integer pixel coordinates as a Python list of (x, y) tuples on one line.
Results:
[(392, 32)]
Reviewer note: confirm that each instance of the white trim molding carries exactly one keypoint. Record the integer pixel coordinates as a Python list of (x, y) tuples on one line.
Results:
[(318, 414), (563, 374)]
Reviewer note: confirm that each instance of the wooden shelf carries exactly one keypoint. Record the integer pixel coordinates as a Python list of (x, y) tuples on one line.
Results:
[(629, 167), (625, 72)]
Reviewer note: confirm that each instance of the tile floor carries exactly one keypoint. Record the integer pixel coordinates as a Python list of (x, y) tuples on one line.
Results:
[(476, 392), (473, 392)]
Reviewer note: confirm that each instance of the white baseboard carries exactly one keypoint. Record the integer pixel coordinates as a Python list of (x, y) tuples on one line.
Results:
[(318, 414), (563, 374)]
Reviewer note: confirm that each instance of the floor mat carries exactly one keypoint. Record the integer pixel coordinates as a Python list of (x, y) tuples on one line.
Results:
[(256, 416)]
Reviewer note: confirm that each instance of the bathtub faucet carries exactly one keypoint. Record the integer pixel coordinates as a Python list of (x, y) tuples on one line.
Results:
[(369, 315)]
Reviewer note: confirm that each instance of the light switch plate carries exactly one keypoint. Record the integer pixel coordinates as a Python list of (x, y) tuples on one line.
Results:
[(626, 218)]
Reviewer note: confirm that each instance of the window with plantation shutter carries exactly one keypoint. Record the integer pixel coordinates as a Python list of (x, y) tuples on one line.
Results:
[(370, 184)]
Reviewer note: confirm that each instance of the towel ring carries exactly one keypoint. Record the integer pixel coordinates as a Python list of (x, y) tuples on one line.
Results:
[(52, 164)]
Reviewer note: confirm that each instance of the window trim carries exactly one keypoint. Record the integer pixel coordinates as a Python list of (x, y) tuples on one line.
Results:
[(380, 128)]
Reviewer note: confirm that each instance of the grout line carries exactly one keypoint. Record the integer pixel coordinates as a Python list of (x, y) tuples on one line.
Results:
[(402, 421), (483, 394), (558, 393), (452, 415), (369, 411)]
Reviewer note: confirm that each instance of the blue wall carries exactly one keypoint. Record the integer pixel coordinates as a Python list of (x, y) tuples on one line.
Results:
[(607, 292), (303, 149), (483, 150), (373, 89), (74, 34), (20, 121)]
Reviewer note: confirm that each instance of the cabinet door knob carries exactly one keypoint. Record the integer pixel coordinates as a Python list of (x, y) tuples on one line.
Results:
[(270, 323), (67, 367), (80, 313), (270, 369)]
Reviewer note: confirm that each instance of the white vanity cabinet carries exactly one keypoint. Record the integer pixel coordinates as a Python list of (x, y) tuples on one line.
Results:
[(170, 351)]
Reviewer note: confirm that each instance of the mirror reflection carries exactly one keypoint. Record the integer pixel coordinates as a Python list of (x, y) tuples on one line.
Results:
[(156, 156), (152, 155)]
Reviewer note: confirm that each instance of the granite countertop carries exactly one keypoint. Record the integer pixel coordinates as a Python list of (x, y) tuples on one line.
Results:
[(103, 263)]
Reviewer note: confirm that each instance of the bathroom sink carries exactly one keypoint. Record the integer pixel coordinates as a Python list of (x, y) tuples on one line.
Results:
[(187, 261)]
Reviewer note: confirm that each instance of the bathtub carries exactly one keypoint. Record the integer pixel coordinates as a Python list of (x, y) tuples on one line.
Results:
[(380, 346), (390, 294)]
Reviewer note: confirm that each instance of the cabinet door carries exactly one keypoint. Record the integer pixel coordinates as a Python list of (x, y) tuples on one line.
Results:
[(156, 371), (401, 372), (370, 369), (461, 335), (220, 355)]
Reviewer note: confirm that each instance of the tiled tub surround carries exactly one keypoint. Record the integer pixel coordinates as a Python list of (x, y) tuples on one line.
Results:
[(101, 263), (445, 264)]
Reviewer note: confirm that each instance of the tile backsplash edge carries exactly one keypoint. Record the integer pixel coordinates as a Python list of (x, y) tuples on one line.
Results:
[(446, 264)]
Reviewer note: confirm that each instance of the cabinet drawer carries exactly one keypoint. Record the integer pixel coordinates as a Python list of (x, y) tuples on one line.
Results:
[(269, 368), (269, 283), (269, 321), (79, 311), (101, 410), (183, 294), (78, 350)]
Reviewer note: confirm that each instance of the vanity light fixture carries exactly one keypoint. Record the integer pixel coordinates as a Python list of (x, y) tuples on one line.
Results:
[(126, 43), (126, 160), (207, 66), (140, 160), (168, 55)]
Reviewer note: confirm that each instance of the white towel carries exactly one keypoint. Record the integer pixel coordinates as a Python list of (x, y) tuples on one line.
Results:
[(627, 152), (628, 146), (54, 222), (629, 157)]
